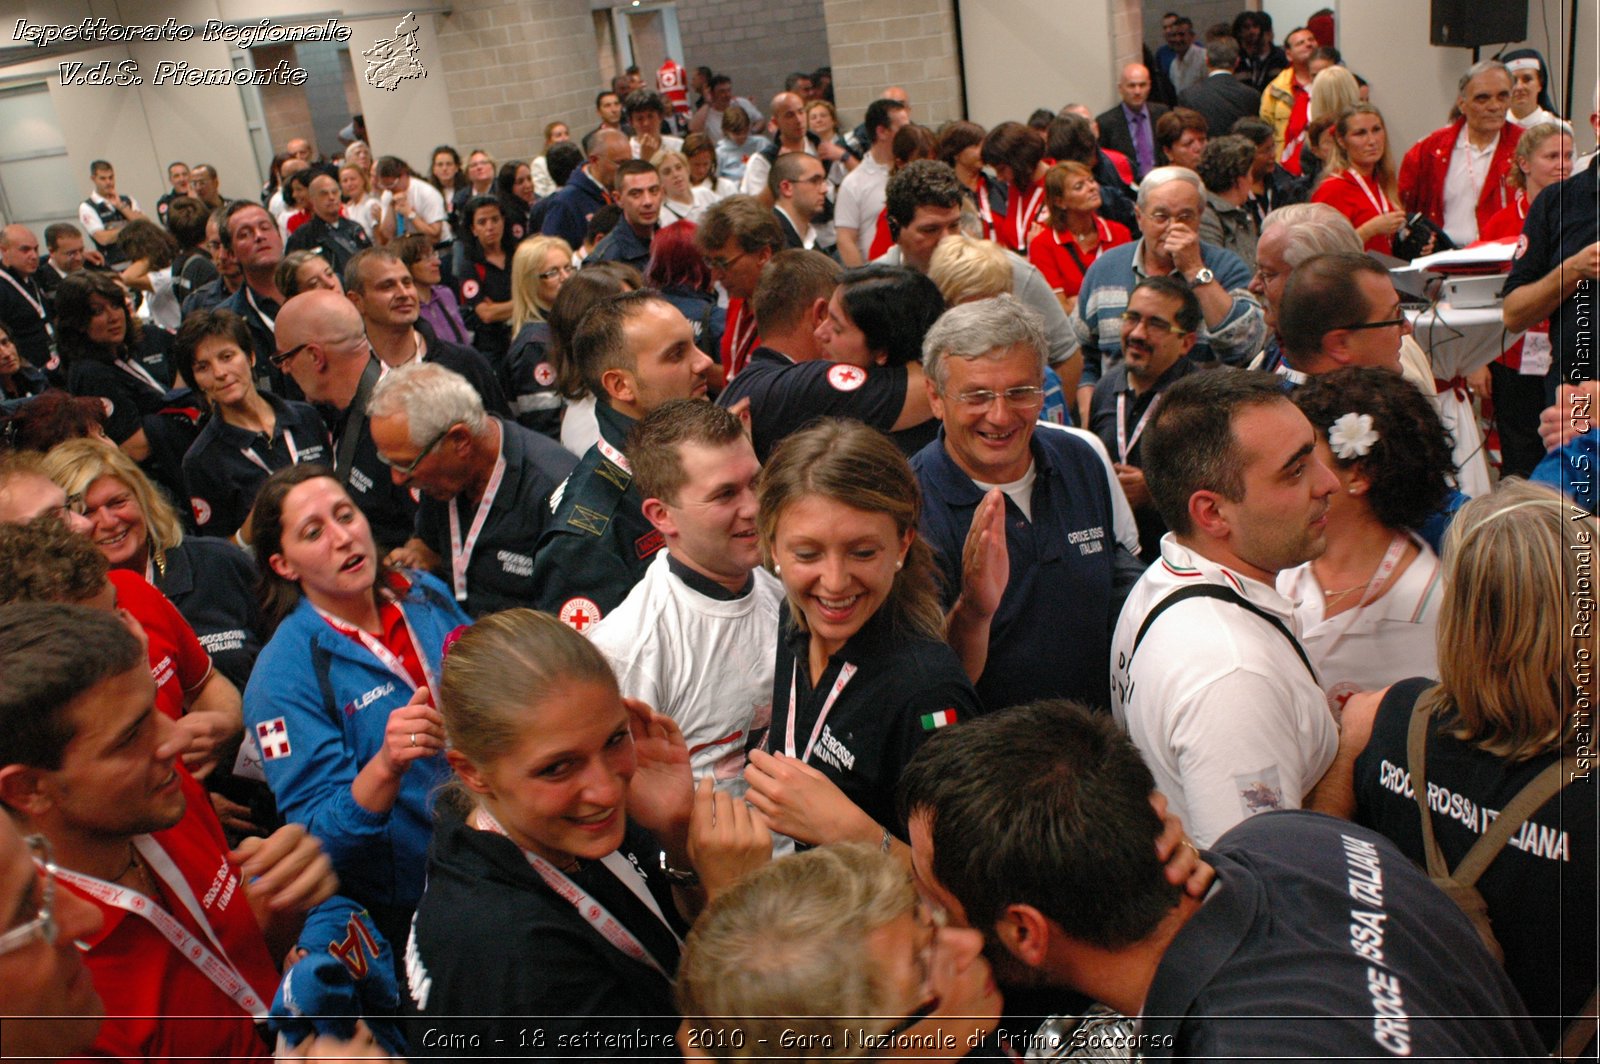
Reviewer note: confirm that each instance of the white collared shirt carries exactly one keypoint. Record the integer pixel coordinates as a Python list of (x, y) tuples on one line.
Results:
[(1463, 184)]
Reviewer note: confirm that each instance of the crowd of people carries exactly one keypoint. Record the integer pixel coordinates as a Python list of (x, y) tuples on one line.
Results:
[(398, 570)]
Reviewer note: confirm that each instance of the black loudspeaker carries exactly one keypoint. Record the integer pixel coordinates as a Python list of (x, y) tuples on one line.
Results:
[(1477, 23)]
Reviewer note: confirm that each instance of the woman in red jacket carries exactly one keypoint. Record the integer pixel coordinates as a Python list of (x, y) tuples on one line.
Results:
[(1360, 182)]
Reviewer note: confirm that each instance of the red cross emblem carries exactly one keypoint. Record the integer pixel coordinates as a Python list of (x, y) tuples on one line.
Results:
[(579, 613), (847, 378)]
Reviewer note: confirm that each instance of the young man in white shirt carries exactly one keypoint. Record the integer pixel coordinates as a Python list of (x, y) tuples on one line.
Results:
[(409, 206), (861, 193)]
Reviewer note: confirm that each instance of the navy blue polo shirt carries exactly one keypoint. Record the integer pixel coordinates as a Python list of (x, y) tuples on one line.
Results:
[(486, 281), (1051, 637), (1103, 423), (1563, 221), (571, 206), (126, 392), (471, 364), (500, 566), (785, 396), (225, 467), (390, 509), (528, 380), (213, 583), (622, 244)]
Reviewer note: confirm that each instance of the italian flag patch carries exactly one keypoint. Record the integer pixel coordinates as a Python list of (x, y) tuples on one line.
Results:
[(935, 721)]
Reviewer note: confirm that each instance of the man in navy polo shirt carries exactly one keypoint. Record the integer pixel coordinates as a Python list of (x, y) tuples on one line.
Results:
[(639, 194), (485, 484), (1318, 938), (1555, 269), (252, 236), (588, 189), (323, 346), (790, 381), (1024, 518), (634, 352)]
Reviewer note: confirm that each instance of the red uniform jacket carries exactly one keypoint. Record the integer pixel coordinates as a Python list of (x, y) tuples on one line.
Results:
[(1423, 172)]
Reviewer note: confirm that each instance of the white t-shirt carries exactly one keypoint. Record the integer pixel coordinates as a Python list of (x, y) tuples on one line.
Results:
[(90, 220), (714, 118), (707, 663), (756, 170), (861, 198), (1019, 491), (668, 143), (678, 212), (1386, 641), (1226, 716), (427, 201), (1463, 184)]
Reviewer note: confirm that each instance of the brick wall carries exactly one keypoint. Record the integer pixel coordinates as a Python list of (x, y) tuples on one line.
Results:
[(757, 43), (911, 43), (513, 65)]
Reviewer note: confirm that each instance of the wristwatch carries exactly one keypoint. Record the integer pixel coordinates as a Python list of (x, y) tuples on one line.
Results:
[(1205, 276)]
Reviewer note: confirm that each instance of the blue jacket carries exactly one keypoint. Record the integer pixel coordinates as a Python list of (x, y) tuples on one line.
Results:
[(1571, 469), (333, 699), (570, 207)]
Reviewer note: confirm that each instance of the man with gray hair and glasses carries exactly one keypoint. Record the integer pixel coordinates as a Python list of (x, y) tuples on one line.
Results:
[(1034, 537), (1456, 175), (1170, 205), (485, 483)]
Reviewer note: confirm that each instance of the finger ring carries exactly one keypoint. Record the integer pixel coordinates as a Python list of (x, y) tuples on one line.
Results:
[(1192, 846), (413, 738)]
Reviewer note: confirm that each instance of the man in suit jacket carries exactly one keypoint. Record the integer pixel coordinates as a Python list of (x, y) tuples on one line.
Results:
[(1220, 96), (1130, 127)]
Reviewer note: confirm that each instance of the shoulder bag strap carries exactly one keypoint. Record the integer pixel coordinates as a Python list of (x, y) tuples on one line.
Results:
[(356, 422), (1225, 594), (1539, 790), (1417, 765)]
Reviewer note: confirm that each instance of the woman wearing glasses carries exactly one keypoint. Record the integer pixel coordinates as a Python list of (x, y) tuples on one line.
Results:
[(570, 851), (540, 267), (251, 434), (863, 674), (341, 700)]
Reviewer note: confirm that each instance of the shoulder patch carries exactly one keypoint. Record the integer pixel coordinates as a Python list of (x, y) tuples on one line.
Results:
[(273, 738), (846, 378), (202, 510), (543, 375), (649, 543), (579, 613), (1522, 246), (613, 474), (469, 288), (588, 520)]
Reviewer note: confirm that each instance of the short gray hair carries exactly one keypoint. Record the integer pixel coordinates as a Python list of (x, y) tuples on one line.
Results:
[(1163, 175), (976, 329), (1483, 67), (431, 397), (1314, 229)]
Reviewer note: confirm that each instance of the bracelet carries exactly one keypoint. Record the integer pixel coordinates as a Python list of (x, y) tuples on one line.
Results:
[(677, 876), (887, 842)]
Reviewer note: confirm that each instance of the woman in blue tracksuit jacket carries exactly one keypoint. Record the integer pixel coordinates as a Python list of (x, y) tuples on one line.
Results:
[(350, 743)]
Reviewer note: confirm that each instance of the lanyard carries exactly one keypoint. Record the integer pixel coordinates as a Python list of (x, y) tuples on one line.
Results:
[(1391, 558), (214, 966), (845, 673), (288, 439), (461, 553), (38, 307), (594, 914), (1026, 213), (616, 457), (1124, 444), (139, 373), (383, 653), (1380, 202), (249, 297), (985, 212)]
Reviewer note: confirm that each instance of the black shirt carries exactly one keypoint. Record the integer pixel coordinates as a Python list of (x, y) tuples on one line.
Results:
[(470, 364), (500, 567), (26, 316), (1103, 423), (391, 510), (213, 583), (496, 953), (224, 468), (785, 396), (528, 380), (1315, 933), (486, 281), (131, 387), (904, 688), (337, 243), (1564, 220)]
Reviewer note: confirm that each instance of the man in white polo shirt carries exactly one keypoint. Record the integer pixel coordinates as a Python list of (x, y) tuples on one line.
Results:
[(855, 216), (1207, 674)]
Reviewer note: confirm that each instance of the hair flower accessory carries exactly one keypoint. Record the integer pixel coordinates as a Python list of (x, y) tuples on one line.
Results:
[(1352, 436)]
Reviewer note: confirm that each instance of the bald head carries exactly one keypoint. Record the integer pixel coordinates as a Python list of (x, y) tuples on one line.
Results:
[(789, 113), (1134, 85), (19, 249), (895, 92), (300, 148), (331, 339)]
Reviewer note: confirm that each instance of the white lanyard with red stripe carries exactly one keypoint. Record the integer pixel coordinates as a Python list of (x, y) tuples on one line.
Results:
[(1125, 445), (1026, 213), (1386, 568), (594, 914), (384, 655), (288, 439), (845, 672), (1380, 202), (616, 457), (214, 966), (461, 552)]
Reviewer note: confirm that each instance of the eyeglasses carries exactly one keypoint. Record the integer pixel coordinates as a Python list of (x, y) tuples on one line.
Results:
[(43, 925), (73, 505), (411, 467), (1182, 217), (931, 918), (722, 265), (558, 271), (1159, 326), (1386, 323), (1025, 398), (279, 359)]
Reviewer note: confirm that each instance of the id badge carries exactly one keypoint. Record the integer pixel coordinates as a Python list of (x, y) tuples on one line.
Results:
[(1535, 354)]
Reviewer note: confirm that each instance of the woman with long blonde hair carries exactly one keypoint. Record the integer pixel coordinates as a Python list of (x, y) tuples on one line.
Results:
[(539, 268), (1360, 180)]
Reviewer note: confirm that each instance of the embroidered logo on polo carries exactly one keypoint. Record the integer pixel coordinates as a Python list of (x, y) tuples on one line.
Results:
[(543, 375), (163, 671), (273, 738), (834, 752), (1088, 540), (514, 564), (202, 510), (1259, 791), (589, 520), (579, 614), (649, 543), (469, 288), (847, 378), (361, 702)]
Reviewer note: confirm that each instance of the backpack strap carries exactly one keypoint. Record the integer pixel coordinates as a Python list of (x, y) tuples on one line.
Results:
[(1417, 763), (1225, 594)]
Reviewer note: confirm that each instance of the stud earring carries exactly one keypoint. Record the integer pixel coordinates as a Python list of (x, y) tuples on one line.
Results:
[(899, 565), (777, 570)]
